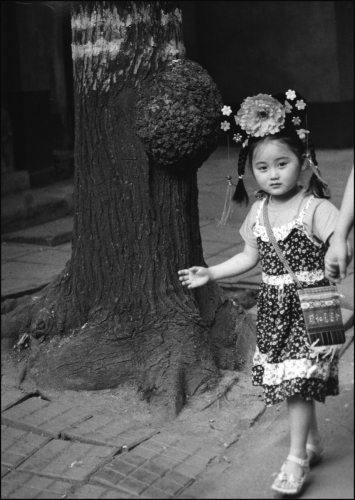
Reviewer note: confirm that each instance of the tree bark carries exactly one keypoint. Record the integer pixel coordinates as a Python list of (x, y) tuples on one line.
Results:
[(146, 120)]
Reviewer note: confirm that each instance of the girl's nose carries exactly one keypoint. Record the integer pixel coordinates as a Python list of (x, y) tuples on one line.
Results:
[(274, 174)]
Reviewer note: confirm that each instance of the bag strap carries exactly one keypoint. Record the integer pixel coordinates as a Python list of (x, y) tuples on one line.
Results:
[(278, 250)]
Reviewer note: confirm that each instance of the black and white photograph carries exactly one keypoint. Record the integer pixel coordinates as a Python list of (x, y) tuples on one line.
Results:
[(177, 249)]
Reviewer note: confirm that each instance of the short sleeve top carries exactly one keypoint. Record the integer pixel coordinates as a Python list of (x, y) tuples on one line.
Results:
[(319, 219)]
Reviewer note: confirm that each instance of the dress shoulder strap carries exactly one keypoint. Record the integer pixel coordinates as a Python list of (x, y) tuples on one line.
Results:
[(257, 218), (305, 208)]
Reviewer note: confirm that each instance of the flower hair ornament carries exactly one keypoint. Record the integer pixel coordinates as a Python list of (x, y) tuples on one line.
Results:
[(264, 115)]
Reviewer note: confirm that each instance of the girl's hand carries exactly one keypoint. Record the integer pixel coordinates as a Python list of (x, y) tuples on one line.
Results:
[(194, 277)]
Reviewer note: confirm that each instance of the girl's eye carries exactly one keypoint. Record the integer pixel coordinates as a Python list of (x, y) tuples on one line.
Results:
[(282, 164)]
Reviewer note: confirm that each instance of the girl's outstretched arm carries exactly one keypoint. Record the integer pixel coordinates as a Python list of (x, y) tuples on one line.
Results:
[(241, 263)]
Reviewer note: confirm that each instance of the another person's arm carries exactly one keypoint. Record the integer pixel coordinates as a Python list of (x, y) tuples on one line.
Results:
[(339, 253), (241, 263)]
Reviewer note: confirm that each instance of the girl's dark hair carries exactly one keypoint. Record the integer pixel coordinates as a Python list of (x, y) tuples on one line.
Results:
[(288, 136)]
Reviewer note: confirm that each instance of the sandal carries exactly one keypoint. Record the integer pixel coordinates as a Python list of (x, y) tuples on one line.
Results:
[(294, 481), (318, 451)]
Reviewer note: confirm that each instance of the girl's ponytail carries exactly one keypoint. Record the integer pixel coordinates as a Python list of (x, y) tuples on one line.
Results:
[(240, 195), (317, 185)]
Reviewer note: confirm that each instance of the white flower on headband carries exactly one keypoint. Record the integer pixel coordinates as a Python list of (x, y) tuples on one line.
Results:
[(225, 126), (296, 120), (226, 110), (291, 94), (302, 133), (288, 107), (300, 104), (245, 143), (237, 137), (261, 115)]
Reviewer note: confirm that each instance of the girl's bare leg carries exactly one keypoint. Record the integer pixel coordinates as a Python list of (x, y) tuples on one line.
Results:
[(313, 434), (301, 418)]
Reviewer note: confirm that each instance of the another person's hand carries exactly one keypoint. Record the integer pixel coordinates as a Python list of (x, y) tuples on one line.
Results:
[(194, 277), (337, 258)]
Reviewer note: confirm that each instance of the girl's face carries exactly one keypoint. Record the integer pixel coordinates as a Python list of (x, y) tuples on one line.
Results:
[(276, 169)]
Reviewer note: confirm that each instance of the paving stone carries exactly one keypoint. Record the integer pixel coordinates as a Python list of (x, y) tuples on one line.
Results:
[(168, 486), (26, 485), (17, 477), (153, 493), (7, 488), (175, 454), (153, 445), (121, 466), (178, 478), (107, 476), (117, 494), (51, 233), (5, 443), (188, 446), (40, 483), (188, 470), (133, 485), (206, 453), (4, 470), (44, 417), (90, 491), (66, 460), (19, 447), (45, 495), (132, 458), (144, 476), (165, 439), (144, 452), (197, 461), (101, 430), (59, 487), (24, 492), (166, 462), (45, 455), (11, 460), (10, 397), (155, 468)]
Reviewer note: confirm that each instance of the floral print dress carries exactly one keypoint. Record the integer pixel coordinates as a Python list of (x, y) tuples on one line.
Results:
[(283, 362)]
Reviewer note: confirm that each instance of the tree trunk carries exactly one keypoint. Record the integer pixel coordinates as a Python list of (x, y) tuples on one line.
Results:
[(146, 120)]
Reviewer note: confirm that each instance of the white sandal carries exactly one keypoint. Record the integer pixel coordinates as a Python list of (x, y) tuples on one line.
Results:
[(318, 451), (296, 482)]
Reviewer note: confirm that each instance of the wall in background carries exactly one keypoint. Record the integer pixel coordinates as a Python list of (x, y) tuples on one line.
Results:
[(267, 47)]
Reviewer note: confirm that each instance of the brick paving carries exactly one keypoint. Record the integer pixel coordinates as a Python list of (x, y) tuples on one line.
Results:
[(52, 450), (11, 397), (67, 460), (25, 485), (106, 430), (18, 445), (44, 417)]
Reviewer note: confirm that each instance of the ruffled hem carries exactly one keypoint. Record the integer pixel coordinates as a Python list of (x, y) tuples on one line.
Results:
[(308, 389)]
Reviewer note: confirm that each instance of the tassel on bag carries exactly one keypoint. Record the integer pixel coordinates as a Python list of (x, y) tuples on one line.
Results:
[(316, 172), (228, 206)]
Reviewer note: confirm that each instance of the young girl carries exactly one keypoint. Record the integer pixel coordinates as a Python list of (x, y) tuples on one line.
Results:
[(303, 221)]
